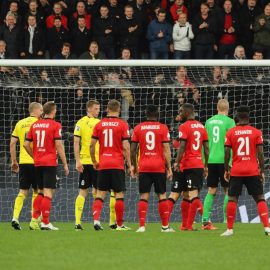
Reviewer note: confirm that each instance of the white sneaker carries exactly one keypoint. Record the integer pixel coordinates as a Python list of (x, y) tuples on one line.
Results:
[(228, 232), (122, 228), (141, 229), (267, 231), (167, 229), (48, 227)]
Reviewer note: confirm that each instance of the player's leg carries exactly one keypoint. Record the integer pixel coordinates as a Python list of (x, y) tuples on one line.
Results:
[(112, 223), (255, 188), (194, 179), (225, 186), (185, 205), (34, 196)]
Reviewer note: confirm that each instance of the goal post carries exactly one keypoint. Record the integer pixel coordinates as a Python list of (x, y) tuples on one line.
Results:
[(136, 84)]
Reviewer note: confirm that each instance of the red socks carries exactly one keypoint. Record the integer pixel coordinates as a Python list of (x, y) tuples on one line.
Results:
[(185, 204), (37, 205), (97, 207), (194, 206), (170, 203), (119, 211), (142, 211), (231, 213), (163, 210), (46, 209), (263, 212)]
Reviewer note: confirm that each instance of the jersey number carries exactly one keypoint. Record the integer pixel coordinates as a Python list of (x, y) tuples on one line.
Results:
[(40, 138), (150, 140), (243, 148), (197, 135), (216, 134), (108, 137)]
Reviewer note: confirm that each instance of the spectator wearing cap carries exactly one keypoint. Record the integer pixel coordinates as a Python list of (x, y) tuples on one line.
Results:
[(80, 37), (10, 32), (182, 35), (57, 12), (56, 36), (205, 29), (177, 8), (247, 15), (262, 32), (103, 32), (229, 29), (159, 35), (80, 11), (93, 53), (33, 40)]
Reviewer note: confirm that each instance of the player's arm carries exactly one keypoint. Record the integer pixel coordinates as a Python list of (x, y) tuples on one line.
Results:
[(12, 147), (167, 155), (180, 153), (206, 156), (61, 152), (92, 152), (76, 145), (260, 157), (28, 148), (133, 155), (126, 152), (227, 156)]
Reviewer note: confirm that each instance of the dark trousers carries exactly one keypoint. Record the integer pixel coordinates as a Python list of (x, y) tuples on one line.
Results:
[(226, 51), (181, 54), (202, 51)]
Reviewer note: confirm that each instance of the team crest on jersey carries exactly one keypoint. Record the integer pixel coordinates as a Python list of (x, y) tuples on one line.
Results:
[(77, 128), (180, 134)]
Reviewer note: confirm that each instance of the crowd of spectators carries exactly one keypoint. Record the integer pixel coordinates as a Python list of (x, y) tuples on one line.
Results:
[(156, 29)]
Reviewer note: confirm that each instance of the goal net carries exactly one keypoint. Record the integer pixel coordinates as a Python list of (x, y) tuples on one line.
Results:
[(136, 84)]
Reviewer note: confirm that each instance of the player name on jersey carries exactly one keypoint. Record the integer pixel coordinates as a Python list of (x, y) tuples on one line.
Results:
[(150, 127), (110, 124), (242, 132)]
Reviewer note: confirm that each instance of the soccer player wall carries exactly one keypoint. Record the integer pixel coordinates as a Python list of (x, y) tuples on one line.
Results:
[(136, 84)]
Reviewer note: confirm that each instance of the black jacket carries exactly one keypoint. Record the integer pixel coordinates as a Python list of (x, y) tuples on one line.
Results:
[(235, 23), (80, 41), (40, 17)]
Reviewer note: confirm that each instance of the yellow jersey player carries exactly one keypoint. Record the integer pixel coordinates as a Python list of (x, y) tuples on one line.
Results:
[(25, 168), (84, 165)]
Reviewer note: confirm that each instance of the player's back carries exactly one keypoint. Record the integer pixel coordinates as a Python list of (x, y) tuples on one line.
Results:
[(151, 136), (243, 139), (194, 133), (110, 132), (84, 129), (20, 131), (43, 133), (216, 127)]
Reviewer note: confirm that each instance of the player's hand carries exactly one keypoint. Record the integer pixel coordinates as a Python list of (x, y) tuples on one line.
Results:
[(66, 170), (132, 171), (79, 167), (205, 172), (169, 174), (227, 176), (96, 165), (262, 177), (15, 166), (176, 167)]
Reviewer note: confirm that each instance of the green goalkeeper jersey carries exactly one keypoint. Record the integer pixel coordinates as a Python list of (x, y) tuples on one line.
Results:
[(217, 127)]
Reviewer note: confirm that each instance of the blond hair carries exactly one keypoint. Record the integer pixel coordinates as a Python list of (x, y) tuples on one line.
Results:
[(223, 105)]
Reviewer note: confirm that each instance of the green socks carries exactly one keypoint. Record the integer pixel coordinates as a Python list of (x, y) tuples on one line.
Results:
[(225, 202), (207, 207)]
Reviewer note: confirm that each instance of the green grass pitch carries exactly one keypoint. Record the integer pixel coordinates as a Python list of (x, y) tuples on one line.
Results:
[(67, 249)]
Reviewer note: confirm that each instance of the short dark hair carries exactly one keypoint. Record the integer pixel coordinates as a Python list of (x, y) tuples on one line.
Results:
[(66, 44), (91, 103), (80, 17), (188, 107), (152, 111), (57, 18), (114, 105), (161, 10), (242, 112), (48, 107)]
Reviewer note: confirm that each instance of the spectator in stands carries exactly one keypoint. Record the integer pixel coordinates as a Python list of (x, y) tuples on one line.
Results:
[(38, 13), (182, 34), (214, 8), (247, 15), (80, 11), (103, 32), (3, 54), (56, 36), (205, 28), (125, 54), (65, 52), (57, 12), (181, 79), (14, 8), (45, 7), (33, 40), (239, 53), (115, 9), (44, 79), (177, 8), (159, 34), (91, 7), (80, 37), (10, 32), (262, 32), (229, 28), (257, 55), (129, 30), (93, 53), (216, 75), (125, 72)]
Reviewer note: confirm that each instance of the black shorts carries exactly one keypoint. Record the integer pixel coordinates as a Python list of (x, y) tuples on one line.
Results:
[(27, 176), (88, 178), (193, 179), (111, 179), (178, 182), (253, 184), (216, 175), (46, 177), (147, 179)]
